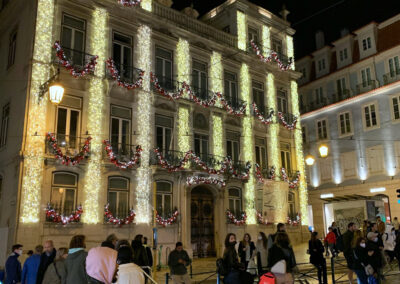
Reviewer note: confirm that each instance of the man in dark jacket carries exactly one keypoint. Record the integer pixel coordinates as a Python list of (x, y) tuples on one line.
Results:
[(177, 261), (13, 266), (46, 259), (280, 228), (347, 249), (148, 250)]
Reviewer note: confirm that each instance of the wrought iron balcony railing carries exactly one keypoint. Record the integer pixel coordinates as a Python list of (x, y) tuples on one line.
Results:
[(63, 208), (289, 117), (127, 73), (69, 144), (282, 57), (123, 151), (391, 77), (77, 58), (366, 86)]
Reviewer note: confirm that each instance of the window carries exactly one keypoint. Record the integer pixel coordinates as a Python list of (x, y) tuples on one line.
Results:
[(370, 116), (366, 77), (199, 79), (394, 66), (285, 157), (304, 134), (68, 121), (63, 192), (120, 129), (303, 72), (321, 64), (235, 201), (345, 123), (231, 88), (233, 145), (322, 129), (343, 54), (396, 107), (292, 206), (5, 116), (164, 67), (122, 54), (341, 86), (277, 45), (200, 122), (164, 198), (258, 95), (12, 48), (261, 152), (201, 146), (73, 39), (366, 43), (282, 101), (319, 96), (253, 34), (164, 126), (118, 196)]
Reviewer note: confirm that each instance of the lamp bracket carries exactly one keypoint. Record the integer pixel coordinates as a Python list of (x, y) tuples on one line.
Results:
[(45, 86)]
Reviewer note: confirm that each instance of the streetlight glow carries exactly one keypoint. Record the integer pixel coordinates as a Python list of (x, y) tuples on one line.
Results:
[(309, 160), (56, 92), (323, 150)]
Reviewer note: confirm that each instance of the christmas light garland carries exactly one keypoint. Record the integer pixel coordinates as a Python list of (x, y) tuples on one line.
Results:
[(195, 99), (273, 56), (88, 68), (239, 112), (292, 184), (53, 216), (166, 222), (259, 174), (294, 222), (233, 220), (260, 219), (264, 120), (129, 3), (205, 180), (109, 217), (135, 160), (115, 75), (161, 91), (66, 160), (291, 126), (226, 165)]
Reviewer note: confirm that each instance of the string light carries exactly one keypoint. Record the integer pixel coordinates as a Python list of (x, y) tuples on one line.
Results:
[(147, 5), (216, 74), (241, 30), (218, 142), (145, 97), (290, 49), (183, 129), (266, 40), (274, 127), (182, 55), (35, 144)]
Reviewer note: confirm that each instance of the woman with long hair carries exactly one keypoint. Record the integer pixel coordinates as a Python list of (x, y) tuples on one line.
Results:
[(262, 252), (75, 262), (317, 250), (246, 250)]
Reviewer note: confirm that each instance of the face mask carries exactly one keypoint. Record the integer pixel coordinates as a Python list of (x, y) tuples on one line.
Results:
[(362, 245), (260, 238), (19, 252)]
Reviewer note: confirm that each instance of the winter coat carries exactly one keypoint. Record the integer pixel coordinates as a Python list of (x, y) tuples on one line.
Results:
[(30, 270), (376, 259), (262, 258), (55, 273), (149, 256), (336, 231), (316, 250), (139, 254), (381, 227), (360, 258), (45, 261), (230, 258), (173, 262), (13, 269), (130, 273), (330, 238), (389, 239), (75, 267), (347, 239), (242, 253), (277, 253)]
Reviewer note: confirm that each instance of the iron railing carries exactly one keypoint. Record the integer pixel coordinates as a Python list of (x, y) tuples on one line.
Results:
[(127, 73), (366, 86), (282, 57), (65, 208), (69, 144), (77, 58), (391, 77), (289, 117)]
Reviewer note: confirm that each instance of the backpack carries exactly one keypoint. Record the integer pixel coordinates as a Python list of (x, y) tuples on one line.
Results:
[(221, 267), (267, 278)]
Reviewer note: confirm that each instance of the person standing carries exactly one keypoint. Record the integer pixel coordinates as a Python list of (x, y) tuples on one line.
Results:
[(140, 254), (374, 253), (381, 225), (347, 249), (330, 239), (55, 273), (280, 228), (101, 266), (389, 242), (31, 267), (128, 272), (262, 252), (46, 259), (178, 260), (316, 250), (148, 250), (360, 260), (110, 242), (75, 262), (246, 250), (396, 225), (13, 265)]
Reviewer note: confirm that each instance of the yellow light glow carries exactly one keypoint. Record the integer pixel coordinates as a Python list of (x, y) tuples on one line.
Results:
[(147, 5), (218, 142), (310, 160), (144, 138), (290, 49), (183, 129), (273, 128), (182, 58), (93, 185), (35, 144), (266, 40), (323, 151), (298, 142), (56, 93), (241, 30), (216, 75)]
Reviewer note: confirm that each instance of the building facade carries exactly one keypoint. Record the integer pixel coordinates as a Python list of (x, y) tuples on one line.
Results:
[(349, 101), (184, 86)]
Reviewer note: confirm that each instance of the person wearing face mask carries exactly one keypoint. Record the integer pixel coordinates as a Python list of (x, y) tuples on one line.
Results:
[(13, 265), (262, 252), (389, 242), (374, 255), (360, 260)]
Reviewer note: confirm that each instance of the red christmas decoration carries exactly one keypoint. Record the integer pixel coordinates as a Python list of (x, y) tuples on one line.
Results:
[(53, 216), (66, 160), (260, 219), (239, 112), (195, 99), (205, 180), (122, 165), (259, 174), (273, 56), (109, 217), (161, 91), (264, 120), (88, 68), (292, 184), (115, 75), (129, 3), (291, 126), (166, 222), (233, 220), (294, 222)]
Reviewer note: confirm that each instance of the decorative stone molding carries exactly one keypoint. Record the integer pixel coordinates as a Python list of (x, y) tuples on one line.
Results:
[(190, 12), (167, 3)]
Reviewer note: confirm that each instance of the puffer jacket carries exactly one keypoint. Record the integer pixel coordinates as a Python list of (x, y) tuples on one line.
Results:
[(389, 238)]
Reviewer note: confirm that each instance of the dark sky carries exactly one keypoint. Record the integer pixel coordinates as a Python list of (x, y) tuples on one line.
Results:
[(308, 16)]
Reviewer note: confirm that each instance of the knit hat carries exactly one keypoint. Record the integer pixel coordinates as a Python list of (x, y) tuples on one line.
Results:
[(371, 236)]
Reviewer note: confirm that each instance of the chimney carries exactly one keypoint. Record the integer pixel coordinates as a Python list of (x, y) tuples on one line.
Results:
[(344, 32), (319, 39), (284, 12)]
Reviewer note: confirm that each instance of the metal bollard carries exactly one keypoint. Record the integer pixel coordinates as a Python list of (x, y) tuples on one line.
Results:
[(218, 278), (166, 278), (333, 269)]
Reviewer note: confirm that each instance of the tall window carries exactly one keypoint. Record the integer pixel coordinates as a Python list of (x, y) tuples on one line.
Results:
[(261, 152), (235, 201), (319, 96), (164, 126), (292, 206), (366, 43), (231, 93), (370, 116), (396, 107), (394, 66), (122, 54), (343, 54), (164, 67), (277, 45), (120, 129), (1, 187), (345, 123), (68, 121), (258, 95), (12, 48), (253, 34), (321, 64), (63, 192), (341, 86), (164, 198), (304, 134), (199, 79), (285, 157), (366, 77), (5, 116), (322, 129), (233, 145), (73, 38), (118, 196), (201, 145), (282, 100)]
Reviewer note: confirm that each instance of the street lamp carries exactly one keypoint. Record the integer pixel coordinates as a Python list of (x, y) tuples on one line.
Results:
[(56, 91), (323, 150), (310, 160)]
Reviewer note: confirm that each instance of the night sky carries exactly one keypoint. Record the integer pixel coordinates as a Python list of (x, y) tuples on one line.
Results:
[(309, 16)]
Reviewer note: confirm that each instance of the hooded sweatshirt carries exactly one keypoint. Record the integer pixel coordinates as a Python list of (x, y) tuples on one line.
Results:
[(101, 263), (389, 238)]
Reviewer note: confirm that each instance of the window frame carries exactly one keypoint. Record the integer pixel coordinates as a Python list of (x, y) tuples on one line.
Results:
[(120, 125), (233, 198), (258, 91), (284, 99), (12, 48), (156, 57), (257, 33), (118, 190), (5, 118), (171, 142), (376, 106), (395, 72), (317, 129), (286, 150), (319, 95), (293, 202), (75, 187), (163, 194), (260, 147), (339, 120), (68, 122), (203, 93), (227, 139), (73, 36), (198, 136), (392, 113), (364, 74), (367, 43), (304, 134), (235, 97), (122, 55)]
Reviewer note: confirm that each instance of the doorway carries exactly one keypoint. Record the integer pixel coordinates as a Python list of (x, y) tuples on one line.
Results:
[(202, 222)]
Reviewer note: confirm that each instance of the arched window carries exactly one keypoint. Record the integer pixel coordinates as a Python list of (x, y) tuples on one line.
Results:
[(64, 189), (164, 198), (235, 201), (118, 196), (291, 206)]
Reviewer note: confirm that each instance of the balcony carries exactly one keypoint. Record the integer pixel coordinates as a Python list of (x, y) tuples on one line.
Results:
[(124, 152), (366, 87), (391, 77), (282, 57), (128, 74), (77, 58), (289, 118), (70, 145)]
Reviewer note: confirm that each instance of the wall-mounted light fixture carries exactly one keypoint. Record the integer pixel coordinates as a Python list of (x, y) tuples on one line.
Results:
[(56, 91)]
